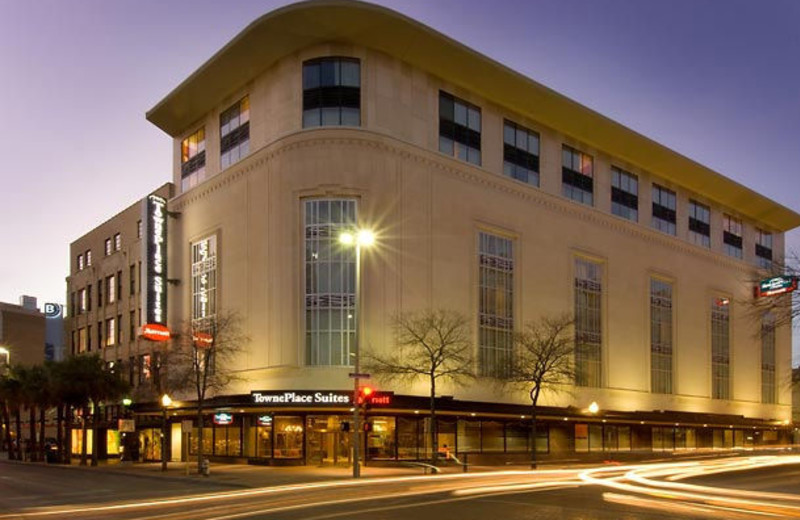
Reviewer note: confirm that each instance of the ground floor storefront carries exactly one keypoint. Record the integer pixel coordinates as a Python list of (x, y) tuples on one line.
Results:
[(313, 427)]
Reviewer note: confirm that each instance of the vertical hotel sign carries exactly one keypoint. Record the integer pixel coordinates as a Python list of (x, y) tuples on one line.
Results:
[(155, 256)]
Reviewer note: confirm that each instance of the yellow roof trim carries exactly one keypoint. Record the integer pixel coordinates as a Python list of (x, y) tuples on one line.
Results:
[(292, 28)]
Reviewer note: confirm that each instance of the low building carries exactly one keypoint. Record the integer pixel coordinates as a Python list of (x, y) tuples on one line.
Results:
[(490, 195), (22, 333)]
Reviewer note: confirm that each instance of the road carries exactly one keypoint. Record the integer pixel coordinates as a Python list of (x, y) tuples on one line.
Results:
[(715, 488)]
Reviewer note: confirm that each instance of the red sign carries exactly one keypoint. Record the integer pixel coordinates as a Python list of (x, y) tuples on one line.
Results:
[(155, 332), (202, 339)]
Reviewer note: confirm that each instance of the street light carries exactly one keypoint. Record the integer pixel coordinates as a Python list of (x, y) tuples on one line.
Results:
[(594, 408), (360, 238), (166, 401), (5, 352)]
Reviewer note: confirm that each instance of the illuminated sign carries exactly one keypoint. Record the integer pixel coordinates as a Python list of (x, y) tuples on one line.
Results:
[(223, 418), (202, 339), (776, 285), (264, 420), (155, 254), (52, 310), (155, 332), (315, 398)]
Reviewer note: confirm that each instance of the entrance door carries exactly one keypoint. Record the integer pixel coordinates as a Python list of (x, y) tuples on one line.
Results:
[(325, 443)]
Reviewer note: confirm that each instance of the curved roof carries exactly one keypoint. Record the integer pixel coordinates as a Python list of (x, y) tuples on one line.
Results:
[(292, 28)]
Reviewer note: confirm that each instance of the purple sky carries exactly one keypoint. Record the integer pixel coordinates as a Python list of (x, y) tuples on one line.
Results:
[(716, 81)]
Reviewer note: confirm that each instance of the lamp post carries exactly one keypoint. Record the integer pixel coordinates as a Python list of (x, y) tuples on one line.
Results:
[(166, 401), (360, 238)]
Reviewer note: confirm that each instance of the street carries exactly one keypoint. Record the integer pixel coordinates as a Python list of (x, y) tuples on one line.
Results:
[(730, 488)]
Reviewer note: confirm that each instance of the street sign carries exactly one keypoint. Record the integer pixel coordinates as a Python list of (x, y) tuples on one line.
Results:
[(356, 375), (127, 426), (186, 426), (776, 285)]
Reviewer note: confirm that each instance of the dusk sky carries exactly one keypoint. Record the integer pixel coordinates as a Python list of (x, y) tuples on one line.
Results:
[(717, 81)]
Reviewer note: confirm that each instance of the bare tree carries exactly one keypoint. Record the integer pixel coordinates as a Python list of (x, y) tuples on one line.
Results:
[(431, 344), (543, 361), (202, 362)]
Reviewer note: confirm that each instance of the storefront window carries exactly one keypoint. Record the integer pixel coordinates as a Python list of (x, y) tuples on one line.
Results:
[(492, 436), (228, 440), (325, 442), (409, 433), (380, 439), (595, 437), (581, 437), (288, 437), (469, 436), (518, 435), (208, 438)]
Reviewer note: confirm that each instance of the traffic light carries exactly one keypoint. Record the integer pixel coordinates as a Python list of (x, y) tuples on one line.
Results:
[(364, 395)]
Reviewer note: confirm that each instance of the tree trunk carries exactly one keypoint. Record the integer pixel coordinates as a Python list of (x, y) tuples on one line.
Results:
[(70, 419), (18, 418), (84, 434), (433, 428), (59, 436), (42, 419), (7, 425), (95, 435), (200, 454), (32, 433), (534, 401)]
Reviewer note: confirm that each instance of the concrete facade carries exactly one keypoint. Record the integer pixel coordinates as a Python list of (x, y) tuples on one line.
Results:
[(22, 333)]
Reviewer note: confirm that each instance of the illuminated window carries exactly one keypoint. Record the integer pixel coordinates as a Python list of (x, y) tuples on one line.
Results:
[(80, 263), (330, 282), (331, 92), (763, 248), (204, 281), (108, 246), (664, 201), (699, 224), (111, 289), (193, 160), (577, 175), (234, 130), (720, 348), (117, 242), (520, 153), (459, 128), (624, 194), (496, 304), (82, 341), (588, 323), (768, 359), (732, 236), (88, 255), (111, 332), (660, 337), (83, 301), (138, 229)]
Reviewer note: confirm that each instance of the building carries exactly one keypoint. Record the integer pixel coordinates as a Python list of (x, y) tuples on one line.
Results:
[(490, 195), (22, 333)]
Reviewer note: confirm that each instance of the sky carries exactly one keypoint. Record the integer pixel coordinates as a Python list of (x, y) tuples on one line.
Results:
[(717, 81)]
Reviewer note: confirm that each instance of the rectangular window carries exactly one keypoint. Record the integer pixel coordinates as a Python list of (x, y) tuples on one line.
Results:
[(624, 194), (768, 359), (108, 246), (331, 92), (99, 293), (234, 131), (111, 332), (193, 160), (83, 301), (80, 263), (459, 128), (732, 236), (119, 284), (330, 282), (89, 297), (496, 304), (111, 289), (520, 153), (660, 337), (699, 224), (119, 329), (88, 255), (117, 242), (763, 248), (204, 281), (138, 229), (82, 342), (89, 338), (100, 329), (577, 175), (720, 348), (588, 323), (664, 201), (132, 326), (132, 279)]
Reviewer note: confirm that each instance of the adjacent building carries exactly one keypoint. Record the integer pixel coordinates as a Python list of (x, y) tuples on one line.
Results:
[(22, 333), (490, 195)]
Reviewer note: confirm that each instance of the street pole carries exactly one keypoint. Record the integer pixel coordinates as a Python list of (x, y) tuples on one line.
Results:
[(164, 439), (356, 405)]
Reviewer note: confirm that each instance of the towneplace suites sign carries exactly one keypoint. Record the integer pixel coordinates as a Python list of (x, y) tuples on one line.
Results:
[(331, 398)]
